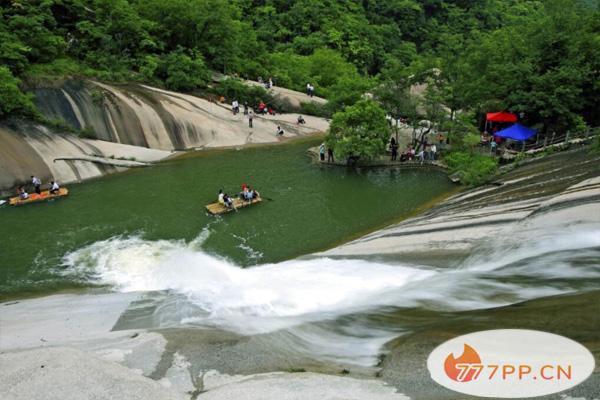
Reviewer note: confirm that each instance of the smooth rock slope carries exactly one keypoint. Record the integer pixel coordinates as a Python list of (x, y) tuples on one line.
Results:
[(134, 124)]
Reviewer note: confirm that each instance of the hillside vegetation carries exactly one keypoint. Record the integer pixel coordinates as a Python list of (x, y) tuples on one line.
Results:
[(539, 58)]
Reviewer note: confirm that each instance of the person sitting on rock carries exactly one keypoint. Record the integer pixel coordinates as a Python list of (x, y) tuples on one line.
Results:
[(280, 131), (301, 120), (262, 108)]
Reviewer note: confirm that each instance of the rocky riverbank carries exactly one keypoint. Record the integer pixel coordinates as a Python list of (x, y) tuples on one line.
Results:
[(133, 125), (62, 342), (548, 191)]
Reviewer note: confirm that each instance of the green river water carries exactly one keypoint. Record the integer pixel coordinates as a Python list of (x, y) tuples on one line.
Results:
[(310, 208)]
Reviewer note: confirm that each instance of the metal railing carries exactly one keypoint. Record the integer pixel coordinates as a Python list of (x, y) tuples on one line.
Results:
[(557, 139)]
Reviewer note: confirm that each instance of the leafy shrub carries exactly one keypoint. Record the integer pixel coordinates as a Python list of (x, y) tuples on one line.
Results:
[(235, 89), (97, 96), (59, 68), (179, 70), (283, 105), (315, 109), (12, 99), (473, 168), (87, 133), (184, 72), (549, 150), (324, 69)]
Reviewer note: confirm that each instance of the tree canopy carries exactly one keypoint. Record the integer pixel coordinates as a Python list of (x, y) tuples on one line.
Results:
[(359, 131), (536, 57)]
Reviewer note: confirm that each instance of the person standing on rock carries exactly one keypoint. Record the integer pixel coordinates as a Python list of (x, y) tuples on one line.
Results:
[(394, 149), (433, 152), (322, 152), (330, 155), (245, 108), (421, 156), (37, 184), (235, 107), (250, 117)]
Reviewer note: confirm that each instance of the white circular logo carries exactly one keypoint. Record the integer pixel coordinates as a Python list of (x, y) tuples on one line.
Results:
[(510, 363)]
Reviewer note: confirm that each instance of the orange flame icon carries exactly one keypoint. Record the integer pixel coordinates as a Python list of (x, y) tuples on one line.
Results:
[(464, 368)]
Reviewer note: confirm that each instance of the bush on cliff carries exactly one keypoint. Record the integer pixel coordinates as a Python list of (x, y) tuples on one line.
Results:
[(180, 70), (12, 99), (235, 89)]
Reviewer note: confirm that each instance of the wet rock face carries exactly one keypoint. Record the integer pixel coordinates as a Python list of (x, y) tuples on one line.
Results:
[(149, 117), (18, 160), (544, 195), (131, 121), (28, 148)]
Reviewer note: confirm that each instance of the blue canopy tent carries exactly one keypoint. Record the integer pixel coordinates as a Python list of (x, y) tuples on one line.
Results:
[(516, 132)]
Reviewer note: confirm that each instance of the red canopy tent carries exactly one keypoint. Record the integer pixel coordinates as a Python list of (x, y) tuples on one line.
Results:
[(501, 117)]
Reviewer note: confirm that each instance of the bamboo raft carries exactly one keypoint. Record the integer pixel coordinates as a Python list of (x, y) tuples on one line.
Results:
[(35, 198), (219, 209)]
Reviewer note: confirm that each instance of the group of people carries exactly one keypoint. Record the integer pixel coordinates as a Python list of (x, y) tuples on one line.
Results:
[(247, 194), (235, 107), (428, 152), (267, 84), (324, 149), (37, 187), (262, 109)]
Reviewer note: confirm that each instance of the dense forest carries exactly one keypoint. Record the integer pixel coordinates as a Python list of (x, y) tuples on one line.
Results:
[(537, 58)]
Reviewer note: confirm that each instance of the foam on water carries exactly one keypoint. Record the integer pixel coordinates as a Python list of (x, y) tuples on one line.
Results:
[(297, 288), (305, 297), (309, 287)]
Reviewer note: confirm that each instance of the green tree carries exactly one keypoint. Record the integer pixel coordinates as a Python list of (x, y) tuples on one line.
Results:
[(346, 92), (209, 26), (12, 100), (394, 93), (181, 71), (360, 131)]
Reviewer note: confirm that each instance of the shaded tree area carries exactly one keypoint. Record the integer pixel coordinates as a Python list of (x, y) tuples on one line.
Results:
[(537, 57)]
